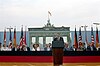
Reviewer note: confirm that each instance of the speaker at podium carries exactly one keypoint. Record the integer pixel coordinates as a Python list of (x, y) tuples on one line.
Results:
[(57, 44), (57, 51)]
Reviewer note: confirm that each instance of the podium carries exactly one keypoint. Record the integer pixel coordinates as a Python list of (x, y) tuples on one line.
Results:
[(57, 52)]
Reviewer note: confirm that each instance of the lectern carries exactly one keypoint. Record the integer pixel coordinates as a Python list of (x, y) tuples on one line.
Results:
[(57, 51)]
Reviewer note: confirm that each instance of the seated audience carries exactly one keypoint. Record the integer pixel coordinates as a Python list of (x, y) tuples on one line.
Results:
[(91, 47), (81, 47), (10, 47), (25, 48), (66, 48), (50, 45), (36, 47), (16, 48), (73, 48), (47, 47), (4, 48)]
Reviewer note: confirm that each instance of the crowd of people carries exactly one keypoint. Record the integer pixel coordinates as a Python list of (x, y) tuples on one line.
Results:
[(24, 47), (82, 47), (48, 47)]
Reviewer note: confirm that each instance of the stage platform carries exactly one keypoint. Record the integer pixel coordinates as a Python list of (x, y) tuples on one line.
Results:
[(45, 58), (46, 64)]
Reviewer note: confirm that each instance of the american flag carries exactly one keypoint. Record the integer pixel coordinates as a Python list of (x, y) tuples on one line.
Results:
[(92, 35), (21, 38), (14, 40), (80, 36), (24, 40), (10, 37)]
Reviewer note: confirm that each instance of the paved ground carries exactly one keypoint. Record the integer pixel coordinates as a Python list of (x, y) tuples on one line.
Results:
[(46, 64)]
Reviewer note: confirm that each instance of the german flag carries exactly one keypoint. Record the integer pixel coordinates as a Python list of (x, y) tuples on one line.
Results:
[(14, 41), (97, 37), (75, 39)]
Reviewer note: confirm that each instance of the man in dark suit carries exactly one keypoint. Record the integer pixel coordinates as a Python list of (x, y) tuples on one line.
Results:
[(25, 48), (91, 47), (47, 47), (58, 38), (66, 48), (73, 48), (58, 52)]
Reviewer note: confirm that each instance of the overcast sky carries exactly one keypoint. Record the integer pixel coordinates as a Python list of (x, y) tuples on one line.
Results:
[(34, 13)]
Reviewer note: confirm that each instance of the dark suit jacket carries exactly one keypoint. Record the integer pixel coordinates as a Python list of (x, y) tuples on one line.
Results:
[(98, 49), (89, 48), (13, 49), (45, 49), (56, 39), (74, 48), (60, 39), (28, 49)]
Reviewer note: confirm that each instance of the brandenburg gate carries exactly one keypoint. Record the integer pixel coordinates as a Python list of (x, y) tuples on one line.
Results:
[(48, 30)]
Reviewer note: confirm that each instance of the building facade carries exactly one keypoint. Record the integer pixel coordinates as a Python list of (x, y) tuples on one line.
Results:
[(46, 34)]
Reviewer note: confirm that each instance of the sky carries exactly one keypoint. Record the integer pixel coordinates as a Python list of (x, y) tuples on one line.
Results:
[(34, 13)]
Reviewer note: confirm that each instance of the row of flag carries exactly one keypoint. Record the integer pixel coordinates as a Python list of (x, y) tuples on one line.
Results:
[(13, 43), (79, 40)]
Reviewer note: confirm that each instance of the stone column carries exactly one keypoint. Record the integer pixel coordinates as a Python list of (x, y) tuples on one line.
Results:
[(37, 40), (30, 41), (69, 40), (44, 41)]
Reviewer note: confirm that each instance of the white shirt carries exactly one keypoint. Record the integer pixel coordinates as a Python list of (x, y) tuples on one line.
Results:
[(4, 48), (25, 49), (9, 49), (74, 49), (48, 48), (38, 49)]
